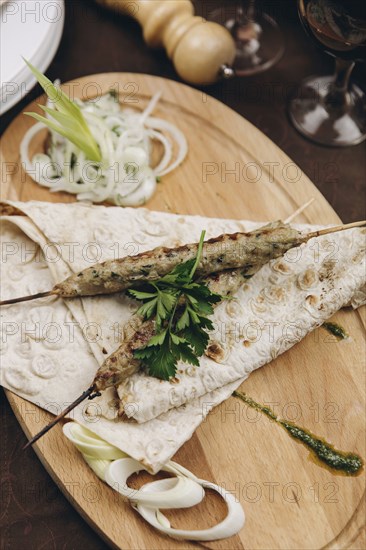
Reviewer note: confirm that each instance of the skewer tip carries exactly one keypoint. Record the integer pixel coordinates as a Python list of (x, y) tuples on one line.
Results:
[(299, 211), (29, 298), (82, 397)]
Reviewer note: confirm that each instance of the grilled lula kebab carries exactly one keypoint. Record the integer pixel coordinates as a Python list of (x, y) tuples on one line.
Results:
[(237, 257), (248, 251)]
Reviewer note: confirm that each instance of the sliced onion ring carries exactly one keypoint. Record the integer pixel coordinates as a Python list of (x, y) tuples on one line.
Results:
[(89, 444), (182, 492), (98, 465), (233, 522)]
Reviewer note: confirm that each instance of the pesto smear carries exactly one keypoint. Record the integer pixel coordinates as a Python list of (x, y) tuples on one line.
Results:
[(336, 330), (341, 462)]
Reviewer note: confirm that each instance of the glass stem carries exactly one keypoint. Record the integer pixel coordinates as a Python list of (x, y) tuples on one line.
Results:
[(251, 10), (338, 97), (245, 15)]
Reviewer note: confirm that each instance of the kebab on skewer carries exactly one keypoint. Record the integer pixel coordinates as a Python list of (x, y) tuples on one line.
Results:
[(248, 251), (225, 261)]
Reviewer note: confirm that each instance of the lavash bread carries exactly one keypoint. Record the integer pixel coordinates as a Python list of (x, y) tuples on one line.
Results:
[(127, 231)]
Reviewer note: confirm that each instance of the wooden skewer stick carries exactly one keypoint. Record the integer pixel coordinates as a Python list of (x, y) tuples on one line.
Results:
[(86, 394), (329, 230), (299, 211), (305, 238), (28, 298)]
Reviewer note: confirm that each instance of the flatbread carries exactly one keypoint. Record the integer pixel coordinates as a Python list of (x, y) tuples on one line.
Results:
[(83, 235)]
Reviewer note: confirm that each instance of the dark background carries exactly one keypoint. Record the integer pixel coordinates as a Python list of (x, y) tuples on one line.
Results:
[(34, 514)]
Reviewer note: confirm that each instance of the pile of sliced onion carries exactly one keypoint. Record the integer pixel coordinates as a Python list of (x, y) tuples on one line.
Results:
[(125, 176), (183, 490)]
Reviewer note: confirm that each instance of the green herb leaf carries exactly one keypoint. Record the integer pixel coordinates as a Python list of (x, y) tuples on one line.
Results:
[(139, 295), (199, 254), (71, 122), (180, 274), (181, 308), (177, 339), (161, 360), (183, 273), (206, 323), (183, 321), (148, 310), (197, 339), (167, 300), (158, 339), (187, 355)]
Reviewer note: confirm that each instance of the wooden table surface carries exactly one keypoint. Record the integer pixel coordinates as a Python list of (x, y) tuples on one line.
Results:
[(34, 514)]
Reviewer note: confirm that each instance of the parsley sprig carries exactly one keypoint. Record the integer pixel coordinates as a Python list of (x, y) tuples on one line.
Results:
[(180, 307)]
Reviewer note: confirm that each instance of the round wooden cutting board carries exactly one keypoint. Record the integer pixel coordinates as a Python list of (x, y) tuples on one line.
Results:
[(232, 170)]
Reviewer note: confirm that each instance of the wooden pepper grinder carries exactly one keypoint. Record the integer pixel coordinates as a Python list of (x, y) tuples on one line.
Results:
[(202, 51)]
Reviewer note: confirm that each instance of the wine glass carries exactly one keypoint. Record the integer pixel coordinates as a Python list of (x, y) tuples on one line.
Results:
[(258, 38), (330, 110)]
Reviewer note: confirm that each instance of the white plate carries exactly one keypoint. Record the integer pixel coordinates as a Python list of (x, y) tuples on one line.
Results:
[(30, 29)]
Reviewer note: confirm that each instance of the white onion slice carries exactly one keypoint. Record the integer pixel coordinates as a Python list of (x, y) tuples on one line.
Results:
[(91, 445), (24, 147), (98, 465), (233, 522), (159, 124), (182, 492), (168, 151), (151, 106), (141, 194)]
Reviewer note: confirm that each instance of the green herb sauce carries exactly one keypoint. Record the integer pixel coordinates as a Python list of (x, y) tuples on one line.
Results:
[(324, 453), (336, 330)]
